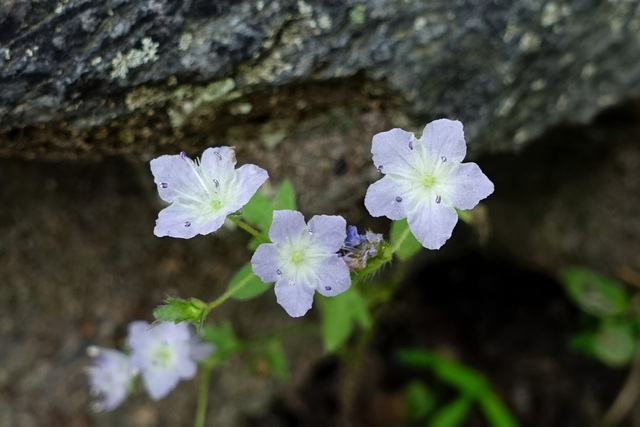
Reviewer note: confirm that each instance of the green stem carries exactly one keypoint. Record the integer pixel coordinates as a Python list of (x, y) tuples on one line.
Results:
[(398, 242), (249, 229), (228, 294), (203, 395)]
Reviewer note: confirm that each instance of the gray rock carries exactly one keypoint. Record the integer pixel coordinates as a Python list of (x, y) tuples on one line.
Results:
[(508, 70)]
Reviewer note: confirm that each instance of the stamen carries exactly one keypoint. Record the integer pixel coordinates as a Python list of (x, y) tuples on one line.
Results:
[(379, 168), (218, 154), (215, 181), (291, 283), (438, 199), (310, 232), (410, 145), (183, 155), (443, 158), (327, 288), (187, 224), (340, 255), (278, 272), (398, 199), (93, 351), (164, 185)]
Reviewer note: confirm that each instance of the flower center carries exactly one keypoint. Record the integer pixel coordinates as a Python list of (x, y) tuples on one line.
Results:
[(215, 204), (297, 257), (428, 181), (162, 357)]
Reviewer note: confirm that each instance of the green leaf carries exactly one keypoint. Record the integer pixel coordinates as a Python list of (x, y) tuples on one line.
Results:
[(286, 196), (614, 344), (277, 359), (248, 284), (495, 412), (420, 401), (339, 315), (453, 414), (594, 293), (259, 211), (223, 338), (402, 240), (454, 374), (178, 310)]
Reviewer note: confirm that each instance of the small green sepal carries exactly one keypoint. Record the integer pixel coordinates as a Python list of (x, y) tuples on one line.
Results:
[(178, 310)]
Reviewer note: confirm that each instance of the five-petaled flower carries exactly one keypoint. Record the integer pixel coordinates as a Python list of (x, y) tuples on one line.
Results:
[(425, 180), (202, 192), (303, 259), (110, 377), (164, 354)]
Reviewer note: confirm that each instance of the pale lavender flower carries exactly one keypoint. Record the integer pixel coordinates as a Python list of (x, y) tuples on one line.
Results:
[(110, 377), (164, 354), (425, 180), (202, 192), (303, 259)]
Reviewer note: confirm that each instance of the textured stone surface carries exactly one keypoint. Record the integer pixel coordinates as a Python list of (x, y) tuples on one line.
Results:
[(88, 78)]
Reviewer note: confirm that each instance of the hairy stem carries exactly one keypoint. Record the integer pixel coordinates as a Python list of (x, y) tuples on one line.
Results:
[(248, 228), (203, 395)]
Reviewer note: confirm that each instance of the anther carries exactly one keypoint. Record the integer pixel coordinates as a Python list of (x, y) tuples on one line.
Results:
[(187, 224), (410, 145), (398, 199), (438, 199), (164, 185), (379, 168), (183, 155), (443, 158), (278, 272), (291, 283), (218, 154), (327, 288), (340, 255), (215, 181), (310, 232)]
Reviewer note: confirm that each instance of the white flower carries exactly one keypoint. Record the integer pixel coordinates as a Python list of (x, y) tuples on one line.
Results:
[(110, 377), (164, 354), (303, 259), (425, 180), (202, 192)]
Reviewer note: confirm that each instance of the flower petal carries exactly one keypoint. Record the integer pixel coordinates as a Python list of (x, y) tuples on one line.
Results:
[(445, 138), (432, 223), (176, 178), (382, 199), (467, 185), (265, 262), (185, 222), (391, 150), (185, 366), (218, 163), (247, 181), (329, 231), (286, 224), (296, 299), (333, 276), (160, 383)]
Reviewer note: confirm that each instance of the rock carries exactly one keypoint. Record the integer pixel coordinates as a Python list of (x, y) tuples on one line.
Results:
[(77, 75)]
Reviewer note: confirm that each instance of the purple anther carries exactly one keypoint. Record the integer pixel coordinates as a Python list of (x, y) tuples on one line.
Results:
[(215, 181), (164, 185), (443, 158), (438, 199), (218, 155), (183, 155), (278, 272), (340, 254), (327, 288), (379, 168), (410, 145), (187, 223), (398, 199)]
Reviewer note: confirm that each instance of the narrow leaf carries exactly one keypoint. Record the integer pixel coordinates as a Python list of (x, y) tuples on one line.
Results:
[(452, 414), (247, 284), (401, 237), (495, 412)]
